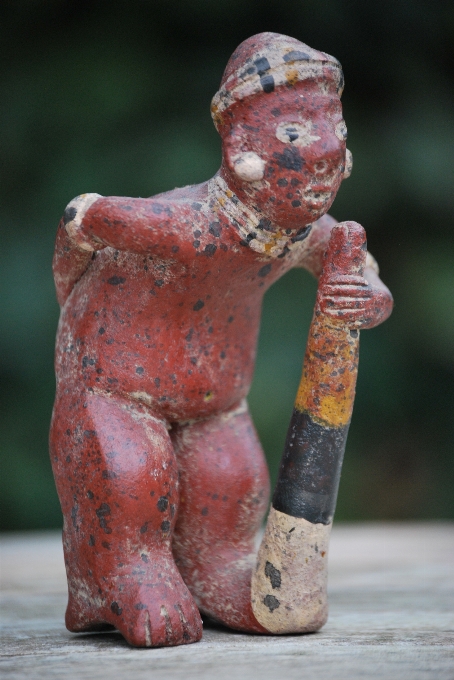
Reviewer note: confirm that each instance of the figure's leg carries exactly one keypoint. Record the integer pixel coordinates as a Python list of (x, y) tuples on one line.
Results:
[(117, 480), (224, 489)]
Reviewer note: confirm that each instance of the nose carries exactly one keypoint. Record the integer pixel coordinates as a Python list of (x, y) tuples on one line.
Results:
[(325, 157)]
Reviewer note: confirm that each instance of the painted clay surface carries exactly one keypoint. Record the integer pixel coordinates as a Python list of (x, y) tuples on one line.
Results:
[(160, 474)]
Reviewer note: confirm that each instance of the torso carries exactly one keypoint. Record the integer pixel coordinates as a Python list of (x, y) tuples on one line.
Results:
[(179, 336)]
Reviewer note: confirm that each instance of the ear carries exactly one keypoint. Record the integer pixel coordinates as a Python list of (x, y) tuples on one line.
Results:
[(246, 165), (348, 164)]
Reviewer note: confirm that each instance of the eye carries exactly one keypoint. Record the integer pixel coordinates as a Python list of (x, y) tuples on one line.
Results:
[(296, 133), (341, 131), (321, 167)]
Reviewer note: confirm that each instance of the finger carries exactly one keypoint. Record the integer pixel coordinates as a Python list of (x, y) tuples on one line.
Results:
[(347, 249), (341, 279), (349, 315), (346, 291), (343, 303)]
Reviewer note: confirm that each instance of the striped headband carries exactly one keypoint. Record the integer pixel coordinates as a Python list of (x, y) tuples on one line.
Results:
[(263, 73)]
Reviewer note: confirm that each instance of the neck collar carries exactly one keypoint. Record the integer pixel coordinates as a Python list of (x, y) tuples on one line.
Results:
[(254, 230)]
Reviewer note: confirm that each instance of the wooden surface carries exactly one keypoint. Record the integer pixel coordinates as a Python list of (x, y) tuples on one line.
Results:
[(391, 617)]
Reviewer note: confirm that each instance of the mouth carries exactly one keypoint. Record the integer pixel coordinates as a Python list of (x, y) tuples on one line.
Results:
[(317, 197)]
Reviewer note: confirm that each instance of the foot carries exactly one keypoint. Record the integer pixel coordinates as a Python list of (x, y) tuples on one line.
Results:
[(147, 601), (221, 585)]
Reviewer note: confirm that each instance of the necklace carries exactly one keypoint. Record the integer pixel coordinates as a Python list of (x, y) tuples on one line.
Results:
[(254, 231)]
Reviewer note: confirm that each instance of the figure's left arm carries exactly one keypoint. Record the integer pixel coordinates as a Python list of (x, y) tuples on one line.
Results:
[(360, 301)]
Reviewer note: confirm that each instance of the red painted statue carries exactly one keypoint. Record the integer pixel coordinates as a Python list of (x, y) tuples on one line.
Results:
[(161, 477)]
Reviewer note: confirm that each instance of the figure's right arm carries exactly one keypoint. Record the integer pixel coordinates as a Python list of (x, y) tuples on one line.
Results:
[(91, 222), (71, 256)]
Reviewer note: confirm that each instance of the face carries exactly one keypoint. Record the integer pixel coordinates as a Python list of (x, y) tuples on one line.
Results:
[(285, 152)]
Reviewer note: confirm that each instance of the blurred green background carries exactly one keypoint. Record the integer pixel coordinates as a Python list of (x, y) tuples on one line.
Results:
[(113, 97)]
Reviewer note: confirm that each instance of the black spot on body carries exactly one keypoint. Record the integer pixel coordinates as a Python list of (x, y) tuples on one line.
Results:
[(102, 331), (159, 283), (273, 574), (302, 233), (271, 602), (140, 606), (139, 370), (162, 504), (87, 361), (69, 215), (262, 65), (116, 280), (103, 510), (204, 512), (198, 305), (265, 224), (267, 83), (210, 249), (91, 540), (290, 159), (196, 206), (296, 204), (90, 494), (296, 55), (165, 526), (116, 608), (215, 229), (175, 249), (197, 233), (275, 112), (89, 434), (196, 243), (265, 270)]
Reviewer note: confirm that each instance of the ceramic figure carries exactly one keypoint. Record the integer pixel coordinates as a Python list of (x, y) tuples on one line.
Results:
[(161, 477)]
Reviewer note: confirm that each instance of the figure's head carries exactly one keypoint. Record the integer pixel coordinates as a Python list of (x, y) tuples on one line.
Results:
[(279, 114)]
